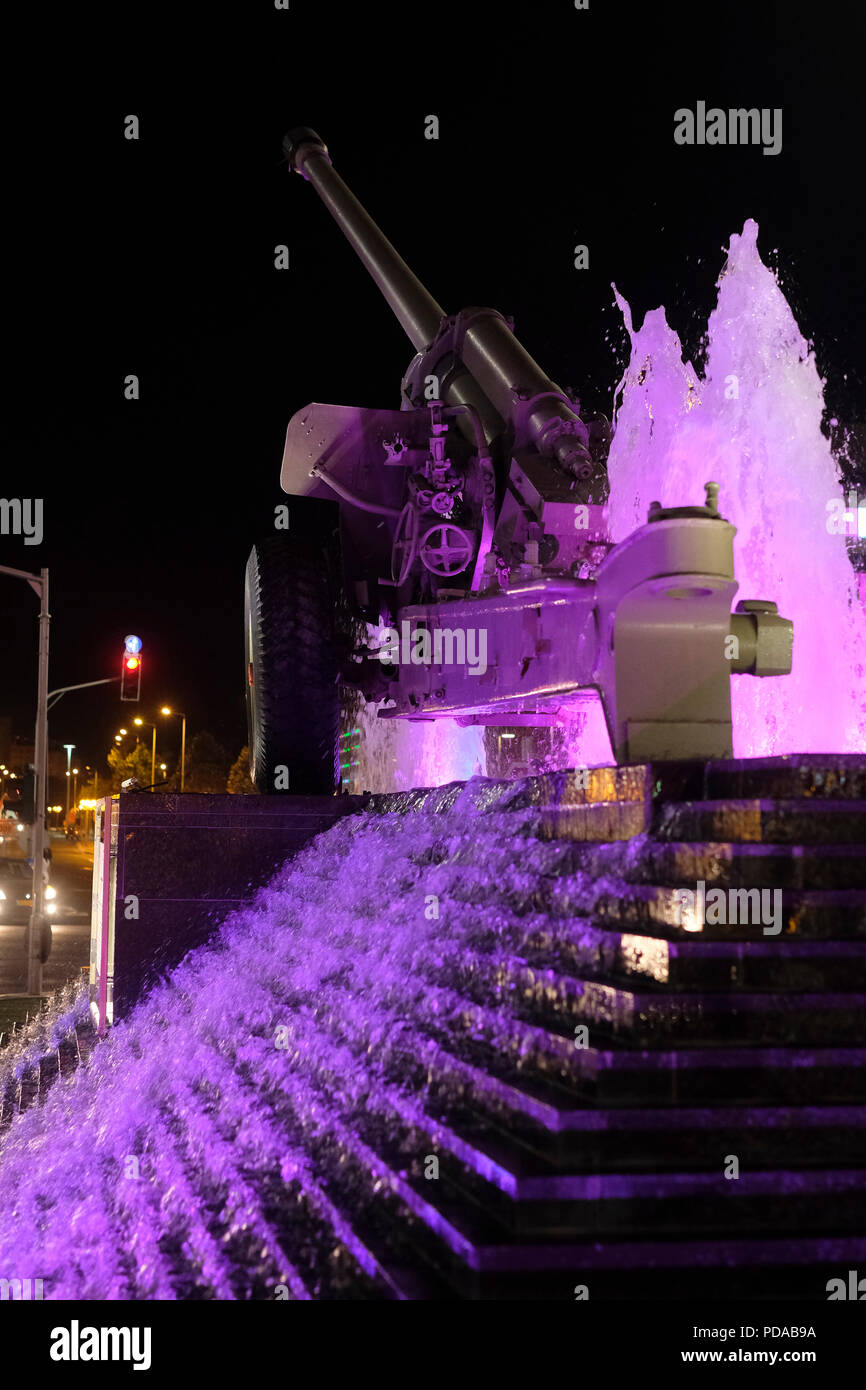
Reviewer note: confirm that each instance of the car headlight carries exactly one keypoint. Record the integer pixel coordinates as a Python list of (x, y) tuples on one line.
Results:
[(50, 892), (2, 896)]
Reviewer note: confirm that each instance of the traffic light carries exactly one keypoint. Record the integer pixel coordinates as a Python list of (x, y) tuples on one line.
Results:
[(130, 669), (25, 807)]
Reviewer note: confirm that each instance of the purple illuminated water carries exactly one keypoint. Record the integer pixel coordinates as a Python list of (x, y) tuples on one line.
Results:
[(752, 423), (192, 1156), (394, 755)]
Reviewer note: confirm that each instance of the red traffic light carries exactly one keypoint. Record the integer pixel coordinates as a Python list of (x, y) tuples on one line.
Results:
[(130, 669)]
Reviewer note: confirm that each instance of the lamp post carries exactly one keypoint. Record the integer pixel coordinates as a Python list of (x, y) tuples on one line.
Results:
[(69, 747), (94, 798), (147, 725), (39, 585), (178, 714)]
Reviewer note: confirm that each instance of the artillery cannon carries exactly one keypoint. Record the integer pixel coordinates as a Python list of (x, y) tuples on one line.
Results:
[(468, 528)]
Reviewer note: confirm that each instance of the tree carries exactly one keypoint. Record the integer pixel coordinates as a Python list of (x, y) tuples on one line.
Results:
[(207, 766), (240, 783), (134, 763)]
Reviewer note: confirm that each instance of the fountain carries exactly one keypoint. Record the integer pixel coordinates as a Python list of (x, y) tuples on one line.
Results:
[(466, 1013), (395, 755), (373, 1082), (753, 423)]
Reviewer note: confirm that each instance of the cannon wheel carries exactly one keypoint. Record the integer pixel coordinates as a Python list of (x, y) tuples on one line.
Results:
[(292, 664)]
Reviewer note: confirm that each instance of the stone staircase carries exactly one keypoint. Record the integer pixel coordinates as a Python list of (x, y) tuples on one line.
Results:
[(603, 1165), (598, 1095)]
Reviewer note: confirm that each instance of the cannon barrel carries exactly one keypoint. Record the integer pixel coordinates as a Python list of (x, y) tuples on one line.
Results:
[(416, 309), (498, 378)]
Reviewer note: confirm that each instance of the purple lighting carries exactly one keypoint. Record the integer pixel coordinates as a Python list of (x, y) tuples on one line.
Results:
[(412, 984), (753, 423), (407, 988)]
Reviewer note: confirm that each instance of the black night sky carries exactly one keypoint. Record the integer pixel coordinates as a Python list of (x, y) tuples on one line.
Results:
[(155, 257)]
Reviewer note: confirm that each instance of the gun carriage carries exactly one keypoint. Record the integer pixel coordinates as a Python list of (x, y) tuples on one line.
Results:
[(477, 510)]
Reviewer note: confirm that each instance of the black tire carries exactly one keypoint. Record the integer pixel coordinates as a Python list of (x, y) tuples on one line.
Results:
[(292, 663)]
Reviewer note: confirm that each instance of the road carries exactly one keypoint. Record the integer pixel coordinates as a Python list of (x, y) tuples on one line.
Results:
[(71, 875)]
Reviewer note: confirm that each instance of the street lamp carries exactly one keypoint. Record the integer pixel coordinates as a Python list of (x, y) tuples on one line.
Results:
[(81, 806), (178, 714), (147, 725), (69, 747), (39, 585)]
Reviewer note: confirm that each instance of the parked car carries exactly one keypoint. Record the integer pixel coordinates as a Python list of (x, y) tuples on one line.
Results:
[(16, 884)]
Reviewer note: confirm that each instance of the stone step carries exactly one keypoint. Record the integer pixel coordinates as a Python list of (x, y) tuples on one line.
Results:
[(801, 776), (592, 952), (758, 866), (549, 1068), (634, 1138), (578, 946), (557, 1205), (475, 1254), (611, 804), (782, 822), (477, 1217), (520, 1038), (560, 1002), (718, 1270), (558, 886), (683, 863), (524, 1193), (542, 795), (808, 914)]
